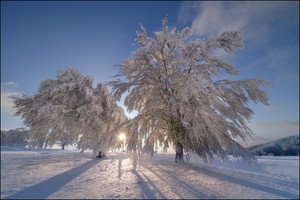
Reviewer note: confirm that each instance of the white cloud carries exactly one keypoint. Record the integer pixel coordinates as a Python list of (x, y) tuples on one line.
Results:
[(6, 102), (8, 89), (9, 86), (187, 10), (251, 18)]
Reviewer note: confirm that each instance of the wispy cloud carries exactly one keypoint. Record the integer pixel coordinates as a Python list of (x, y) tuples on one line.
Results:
[(9, 86), (187, 11), (282, 61), (251, 18), (280, 58), (8, 89), (6, 102)]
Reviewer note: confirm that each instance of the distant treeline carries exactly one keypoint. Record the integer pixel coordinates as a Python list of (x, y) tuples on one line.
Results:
[(15, 138), (288, 146)]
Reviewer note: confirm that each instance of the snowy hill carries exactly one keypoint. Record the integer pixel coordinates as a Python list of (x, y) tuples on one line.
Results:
[(55, 174), (288, 146)]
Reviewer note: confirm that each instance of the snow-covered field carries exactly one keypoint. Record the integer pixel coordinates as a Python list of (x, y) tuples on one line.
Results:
[(53, 173)]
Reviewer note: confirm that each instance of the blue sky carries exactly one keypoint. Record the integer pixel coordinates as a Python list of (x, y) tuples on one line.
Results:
[(40, 38)]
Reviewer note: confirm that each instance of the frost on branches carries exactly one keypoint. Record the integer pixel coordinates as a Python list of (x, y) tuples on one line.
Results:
[(171, 83), (68, 109)]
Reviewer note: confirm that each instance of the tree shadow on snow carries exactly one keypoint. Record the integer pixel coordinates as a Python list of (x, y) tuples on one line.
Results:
[(246, 183), (195, 192), (147, 192), (45, 188), (120, 157)]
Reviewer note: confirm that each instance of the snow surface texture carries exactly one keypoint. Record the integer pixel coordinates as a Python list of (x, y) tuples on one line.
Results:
[(57, 174)]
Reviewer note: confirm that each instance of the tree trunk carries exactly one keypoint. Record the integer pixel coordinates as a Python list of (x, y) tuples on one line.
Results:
[(179, 153), (64, 140), (46, 144)]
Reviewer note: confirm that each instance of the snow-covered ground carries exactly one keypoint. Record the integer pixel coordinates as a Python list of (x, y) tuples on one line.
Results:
[(53, 173)]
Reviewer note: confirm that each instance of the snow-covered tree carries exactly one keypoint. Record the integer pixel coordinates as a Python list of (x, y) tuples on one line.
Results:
[(69, 110), (172, 81)]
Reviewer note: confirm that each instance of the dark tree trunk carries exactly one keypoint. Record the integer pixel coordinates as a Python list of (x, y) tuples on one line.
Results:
[(179, 153), (64, 140)]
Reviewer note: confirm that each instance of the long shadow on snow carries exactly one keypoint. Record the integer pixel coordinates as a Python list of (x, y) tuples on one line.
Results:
[(154, 187), (245, 183), (120, 157), (197, 194), (45, 188), (146, 191), (163, 179)]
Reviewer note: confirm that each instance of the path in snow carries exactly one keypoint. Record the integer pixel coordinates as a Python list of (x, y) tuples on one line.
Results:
[(48, 173)]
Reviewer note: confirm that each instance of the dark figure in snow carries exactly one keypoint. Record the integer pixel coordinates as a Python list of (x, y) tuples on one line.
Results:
[(100, 155), (179, 153)]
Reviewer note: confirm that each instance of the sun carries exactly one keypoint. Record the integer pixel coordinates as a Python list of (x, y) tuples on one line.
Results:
[(122, 136)]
